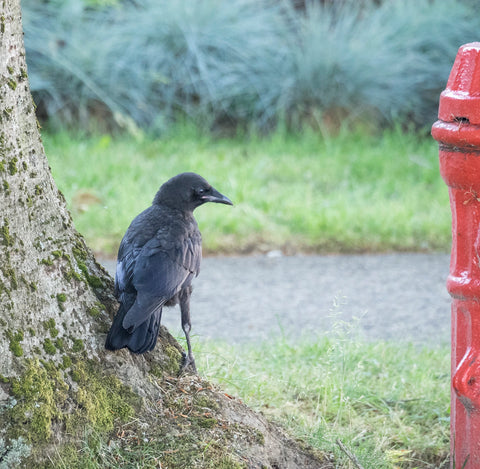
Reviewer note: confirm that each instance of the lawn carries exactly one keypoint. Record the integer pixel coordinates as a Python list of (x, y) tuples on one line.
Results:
[(388, 403), (352, 192)]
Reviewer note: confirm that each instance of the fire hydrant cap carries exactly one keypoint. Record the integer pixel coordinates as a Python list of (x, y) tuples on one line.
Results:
[(460, 101)]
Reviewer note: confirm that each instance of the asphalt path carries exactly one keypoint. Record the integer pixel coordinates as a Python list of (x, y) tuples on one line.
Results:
[(398, 297)]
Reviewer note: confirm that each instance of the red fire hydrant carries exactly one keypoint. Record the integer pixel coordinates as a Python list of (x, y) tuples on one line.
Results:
[(458, 134)]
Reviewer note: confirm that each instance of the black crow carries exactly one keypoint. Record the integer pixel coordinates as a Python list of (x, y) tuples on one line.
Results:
[(157, 260)]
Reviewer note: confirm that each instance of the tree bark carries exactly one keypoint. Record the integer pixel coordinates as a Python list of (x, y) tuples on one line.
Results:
[(59, 389), (48, 277)]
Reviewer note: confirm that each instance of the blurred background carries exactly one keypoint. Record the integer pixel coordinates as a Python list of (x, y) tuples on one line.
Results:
[(242, 64)]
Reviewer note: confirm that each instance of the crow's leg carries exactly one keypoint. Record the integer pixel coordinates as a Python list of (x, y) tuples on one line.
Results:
[(188, 360)]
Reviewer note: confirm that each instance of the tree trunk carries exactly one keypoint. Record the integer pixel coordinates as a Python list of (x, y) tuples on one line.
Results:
[(48, 278), (60, 391)]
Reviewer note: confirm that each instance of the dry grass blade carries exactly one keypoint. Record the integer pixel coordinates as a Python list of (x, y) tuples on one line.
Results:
[(349, 454)]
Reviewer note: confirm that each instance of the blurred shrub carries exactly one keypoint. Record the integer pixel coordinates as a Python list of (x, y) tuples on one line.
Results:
[(241, 62), (390, 61)]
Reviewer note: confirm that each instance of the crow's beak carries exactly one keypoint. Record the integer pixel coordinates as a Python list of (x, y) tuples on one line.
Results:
[(216, 197)]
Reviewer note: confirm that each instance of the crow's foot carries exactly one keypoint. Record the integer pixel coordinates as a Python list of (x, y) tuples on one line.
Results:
[(188, 363)]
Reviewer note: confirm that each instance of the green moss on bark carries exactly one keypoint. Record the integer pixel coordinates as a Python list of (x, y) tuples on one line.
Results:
[(96, 310), (102, 399), (61, 298), (7, 239), (43, 400), (105, 424), (10, 274), (77, 345), (174, 360), (66, 362), (15, 338), (51, 326), (92, 280), (49, 347), (12, 166), (12, 84), (40, 393), (59, 344), (81, 255)]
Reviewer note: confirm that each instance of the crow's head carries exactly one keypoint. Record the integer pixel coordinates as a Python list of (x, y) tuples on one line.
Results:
[(187, 191)]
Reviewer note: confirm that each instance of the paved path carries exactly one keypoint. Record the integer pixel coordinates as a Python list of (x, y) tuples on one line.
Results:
[(396, 297)]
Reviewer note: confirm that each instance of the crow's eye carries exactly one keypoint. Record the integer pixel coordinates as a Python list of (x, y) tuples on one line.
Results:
[(200, 191)]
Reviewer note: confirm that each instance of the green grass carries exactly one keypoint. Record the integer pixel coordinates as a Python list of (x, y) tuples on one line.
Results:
[(352, 192), (387, 402)]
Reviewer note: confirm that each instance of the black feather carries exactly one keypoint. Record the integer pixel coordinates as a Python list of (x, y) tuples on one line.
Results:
[(158, 258)]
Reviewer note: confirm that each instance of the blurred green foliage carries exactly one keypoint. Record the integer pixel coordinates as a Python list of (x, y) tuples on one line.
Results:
[(241, 63), (352, 192)]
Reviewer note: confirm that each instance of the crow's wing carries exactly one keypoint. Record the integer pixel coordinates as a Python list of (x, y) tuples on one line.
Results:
[(126, 261), (157, 272), (144, 228)]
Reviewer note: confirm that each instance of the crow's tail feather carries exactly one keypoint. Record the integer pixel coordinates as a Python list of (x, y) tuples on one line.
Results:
[(142, 339)]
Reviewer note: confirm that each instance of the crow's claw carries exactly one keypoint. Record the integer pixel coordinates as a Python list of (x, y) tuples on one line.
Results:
[(188, 363)]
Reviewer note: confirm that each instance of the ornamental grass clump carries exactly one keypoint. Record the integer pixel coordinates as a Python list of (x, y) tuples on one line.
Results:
[(242, 64)]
